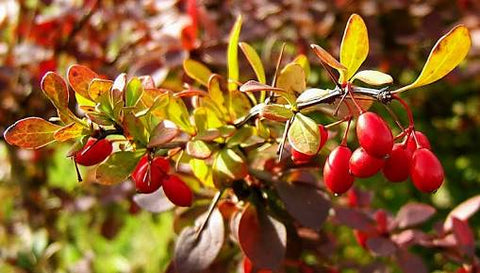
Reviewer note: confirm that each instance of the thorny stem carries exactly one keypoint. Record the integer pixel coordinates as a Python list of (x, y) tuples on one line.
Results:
[(212, 206), (277, 68), (284, 137)]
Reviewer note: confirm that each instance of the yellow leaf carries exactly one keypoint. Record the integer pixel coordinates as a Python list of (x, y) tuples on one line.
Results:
[(232, 54), (302, 60), (254, 61), (354, 48), (447, 53), (373, 77), (197, 71), (97, 87)]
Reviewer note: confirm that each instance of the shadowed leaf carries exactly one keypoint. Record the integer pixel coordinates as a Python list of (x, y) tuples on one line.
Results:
[(153, 202), (413, 214), (464, 235), (381, 246), (254, 61), (410, 263), (31, 133), (304, 135), (354, 219), (118, 167), (228, 166)]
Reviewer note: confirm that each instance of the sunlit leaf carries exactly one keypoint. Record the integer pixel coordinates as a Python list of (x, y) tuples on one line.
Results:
[(276, 112), (304, 135), (447, 53), (31, 133), (133, 93), (197, 71), (120, 82), (373, 77), (194, 254), (228, 166), (328, 59), (463, 211), (255, 61), (198, 149), (68, 132), (232, 54), (262, 238), (55, 88), (355, 46), (164, 132), (312, 94), (202, 171), (178, 113), (302, 60), (118, 167), (413, 214), (216, 94), (134, 129), (292, 79), (79, 78), (98, 87)]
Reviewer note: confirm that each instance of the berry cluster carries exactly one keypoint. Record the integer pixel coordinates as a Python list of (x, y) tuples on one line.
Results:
[(149, 175), (410, 158)]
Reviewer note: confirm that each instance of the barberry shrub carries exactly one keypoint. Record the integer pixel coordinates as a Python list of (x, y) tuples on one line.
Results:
[(253, 149)]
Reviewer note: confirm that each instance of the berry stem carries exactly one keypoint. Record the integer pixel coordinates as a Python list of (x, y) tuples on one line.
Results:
[(407, 108), (350, 93), (395, 117), (79, 176), (345, 134)]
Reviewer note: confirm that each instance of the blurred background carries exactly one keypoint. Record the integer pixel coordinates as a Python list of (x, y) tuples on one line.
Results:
[(51, 223)]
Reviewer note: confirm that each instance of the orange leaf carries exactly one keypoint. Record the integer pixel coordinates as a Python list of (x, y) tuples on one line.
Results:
[(31, 133), (73, 130), (97, 87), (329, 59), (79, 78)]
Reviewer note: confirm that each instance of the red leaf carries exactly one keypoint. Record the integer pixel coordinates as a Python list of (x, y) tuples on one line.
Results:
[(381, 246), (410, 263), (262, 238), (464, 236), (31, 133), (194, 254), (413, 214), (79, 78), (463, 211), (409, 237), (354, 219)]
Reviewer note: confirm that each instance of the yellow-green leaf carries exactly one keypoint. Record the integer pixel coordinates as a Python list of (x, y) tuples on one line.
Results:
[(202, 171), (255, 61), (227, 167), (97, 87), (198, 149), (68, 132), (197, 71), (178, 113), (31, 133), (232, 54), (292, 79), (447, 53), (373, 77), (118, 167), (133, 93), (304, 135), (302, 60), (354, 48), (276, 112)]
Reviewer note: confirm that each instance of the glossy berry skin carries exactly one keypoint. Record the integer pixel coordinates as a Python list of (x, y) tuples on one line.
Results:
[(397, 166), (149, 176), (426, 171), (422, 142), (177, 191), (93, 152), (374, 135), (300, 158), (336, 174), (363, 165)]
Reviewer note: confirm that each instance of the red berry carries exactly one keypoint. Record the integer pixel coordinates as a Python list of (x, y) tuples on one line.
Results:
[(149, 175), (94, 152), (382, 222), (374, 135), (361, 238), (397, 166), (336, 173), (323, 135), (177, 191), (364, 165), (300, 158), (426, 170), (422, 142)]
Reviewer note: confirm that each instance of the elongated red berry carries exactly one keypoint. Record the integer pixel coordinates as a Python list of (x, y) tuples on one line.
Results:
[(336, 174), (94, 152), (426, 171), (364, 165), (397, 166), (422, 142), (374, 135), (149, 175), (177, 191)]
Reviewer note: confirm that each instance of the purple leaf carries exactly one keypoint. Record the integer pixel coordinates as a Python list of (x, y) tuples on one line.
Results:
[(305, 203), (409, 237), (354, 219), (464, 235), (194, 254), (410, 263), (381, 246), (413, 214), (153, 202), (463, 211)]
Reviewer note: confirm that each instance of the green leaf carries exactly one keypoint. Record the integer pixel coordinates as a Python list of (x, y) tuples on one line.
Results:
[(202, 171), (198, 149), (232, 54), (79, 78), (178, 113), (197, 71), (304, 135), (373, 77), (31, 133), (227, 167), (134, 129), (447, 53), (354, 47), (118, 167), (133, 93), (276, 112), (240, 136), (255, 61)]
